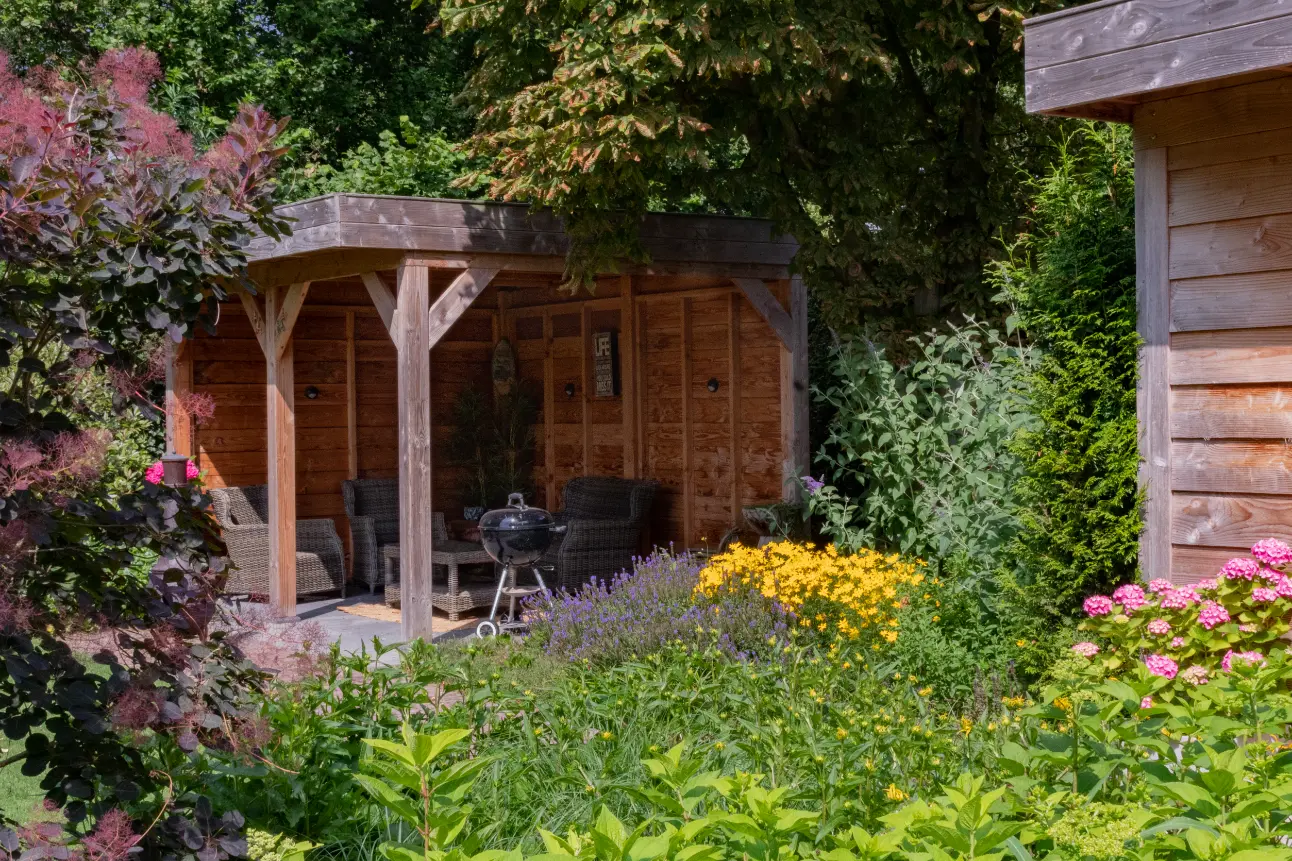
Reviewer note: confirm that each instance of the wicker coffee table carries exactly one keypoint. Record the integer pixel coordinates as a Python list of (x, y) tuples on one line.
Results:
[(451, 554)]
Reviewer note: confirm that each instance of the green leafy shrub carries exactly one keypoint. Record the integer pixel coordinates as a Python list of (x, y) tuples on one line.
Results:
[(1072, 279)]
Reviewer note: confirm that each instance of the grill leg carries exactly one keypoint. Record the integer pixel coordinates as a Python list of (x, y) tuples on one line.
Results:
[(497, 596)]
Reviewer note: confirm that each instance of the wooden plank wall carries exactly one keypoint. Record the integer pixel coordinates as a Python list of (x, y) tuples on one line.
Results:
[(689, 330), (1228, 214)]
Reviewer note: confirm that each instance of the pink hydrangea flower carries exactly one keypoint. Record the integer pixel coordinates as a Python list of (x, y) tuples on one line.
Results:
[(1272, 552), (1098, 605), (1269, 575), (1180, 598), (1253, 658), (155, 473), (1212, 614), (1130, 596), (1206, 585), (1086, 650), (1160, 585), (1196, 675), (1262, 595), (1161, 665), (1146, 703), (1284, 587), (1159, 627), (1243, 568), (1177, 642)]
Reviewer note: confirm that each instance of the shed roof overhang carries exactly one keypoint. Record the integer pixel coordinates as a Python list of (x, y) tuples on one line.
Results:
[(345, 234), (1101, 60)]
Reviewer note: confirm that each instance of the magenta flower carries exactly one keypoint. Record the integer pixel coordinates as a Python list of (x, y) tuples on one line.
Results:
[(1196, 675), (1242, 568), (1252, 658), (1159, 627), (1177, 642), (1086, 650), (1098, 605), (155, 473), (1212, 614), (1284, 587), (1180, 598), (1262, 595), (1269, 575), (1206, 585), (1146, 703), (1130, 596), (1160, 585), (1272, 552), (1161, 665)]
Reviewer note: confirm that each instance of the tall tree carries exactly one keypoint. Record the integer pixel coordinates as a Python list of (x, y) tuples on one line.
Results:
[(887, 135)]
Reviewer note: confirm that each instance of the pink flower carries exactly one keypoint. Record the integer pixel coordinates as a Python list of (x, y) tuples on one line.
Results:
[(1262, 595), (1178, 599), (1159, 627), (1161, 665), (1269, 575), (1272, 552), (1098, 605), (1146, 703), (1177, 642), (1252, 658), (1242, 568), (1196, 675), (1086, 650), (1160, 585), (1212, 614), (1130, 596), (155, 473), (1284, 587), (1206, 585)]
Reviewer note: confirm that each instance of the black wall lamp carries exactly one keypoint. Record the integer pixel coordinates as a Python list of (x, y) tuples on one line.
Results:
[(569, 390), (311, 392), (712, 385)]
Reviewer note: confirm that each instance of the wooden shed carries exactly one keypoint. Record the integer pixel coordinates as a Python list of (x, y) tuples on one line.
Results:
[(1207, 85), (376, 312)]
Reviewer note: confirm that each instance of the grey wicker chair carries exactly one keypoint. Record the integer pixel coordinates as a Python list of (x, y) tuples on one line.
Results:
[(372, 505), (604, 518), (243, 513)]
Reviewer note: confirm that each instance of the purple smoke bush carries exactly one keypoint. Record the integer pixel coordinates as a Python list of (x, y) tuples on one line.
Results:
[(640, 611)]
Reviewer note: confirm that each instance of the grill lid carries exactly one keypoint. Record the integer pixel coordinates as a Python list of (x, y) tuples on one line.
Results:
[(517, 516)]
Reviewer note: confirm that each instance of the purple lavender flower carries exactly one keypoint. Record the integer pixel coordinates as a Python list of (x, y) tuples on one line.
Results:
[(813, 485)]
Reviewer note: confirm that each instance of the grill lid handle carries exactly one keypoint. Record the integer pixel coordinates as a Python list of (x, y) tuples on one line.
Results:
[(516, 500)]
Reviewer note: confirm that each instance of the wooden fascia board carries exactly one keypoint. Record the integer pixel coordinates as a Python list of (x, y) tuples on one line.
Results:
[(769, 308)]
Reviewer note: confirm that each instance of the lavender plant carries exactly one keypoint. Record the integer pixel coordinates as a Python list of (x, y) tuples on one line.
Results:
[(656, 604)]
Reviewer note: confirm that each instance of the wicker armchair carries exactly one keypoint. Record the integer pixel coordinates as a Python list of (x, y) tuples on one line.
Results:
[(243, 513), (372, 505), (604, 519)]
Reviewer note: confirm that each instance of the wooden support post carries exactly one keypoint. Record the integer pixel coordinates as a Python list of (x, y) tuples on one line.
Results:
[(281, 424), (549, 407), (179, 385), (412, 343), (1152, 289), (351, 402), (382, 299), (733, 399), (794, 393), (585, 370), (688, 480), (457, 298), (628, 371), (769, 308)]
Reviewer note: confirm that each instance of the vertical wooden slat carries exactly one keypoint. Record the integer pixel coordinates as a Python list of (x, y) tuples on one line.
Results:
[(281, 449), (639, 310), (1152, 289), (585, 367), (412, 341), (733, 397), (549, 407), (628, 371), (688, 480), (351, 402), (179, 385), (794, 391)]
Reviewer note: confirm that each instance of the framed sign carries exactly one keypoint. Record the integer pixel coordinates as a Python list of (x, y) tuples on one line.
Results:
[(605, 364)]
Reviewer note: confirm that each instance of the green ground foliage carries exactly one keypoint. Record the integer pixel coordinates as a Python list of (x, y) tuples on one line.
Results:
[(1072, 280)]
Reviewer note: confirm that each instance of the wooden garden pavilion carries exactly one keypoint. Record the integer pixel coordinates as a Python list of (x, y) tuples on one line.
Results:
[(373, 316), (1207, 85)]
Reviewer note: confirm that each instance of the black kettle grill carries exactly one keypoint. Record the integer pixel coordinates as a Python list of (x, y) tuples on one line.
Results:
[(516, 537)]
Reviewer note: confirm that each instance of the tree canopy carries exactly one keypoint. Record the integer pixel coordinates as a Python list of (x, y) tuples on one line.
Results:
[(887, 135)]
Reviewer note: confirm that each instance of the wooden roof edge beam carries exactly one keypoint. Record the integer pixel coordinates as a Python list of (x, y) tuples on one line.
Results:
[(289, 308), (769, 308), (455, 300), (382, 297)]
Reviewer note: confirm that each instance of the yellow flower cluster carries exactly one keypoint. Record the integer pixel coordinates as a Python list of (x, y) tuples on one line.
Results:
[(851, 592)]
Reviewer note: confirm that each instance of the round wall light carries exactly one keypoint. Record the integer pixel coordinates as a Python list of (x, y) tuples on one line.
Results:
[(712, 385), (569, 390), (311, 392)]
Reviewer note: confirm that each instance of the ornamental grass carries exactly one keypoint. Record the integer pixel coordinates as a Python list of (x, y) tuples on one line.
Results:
[(859, 595)]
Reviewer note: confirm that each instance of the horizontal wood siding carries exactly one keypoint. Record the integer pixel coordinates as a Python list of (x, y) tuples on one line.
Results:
[(1229, 155)]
